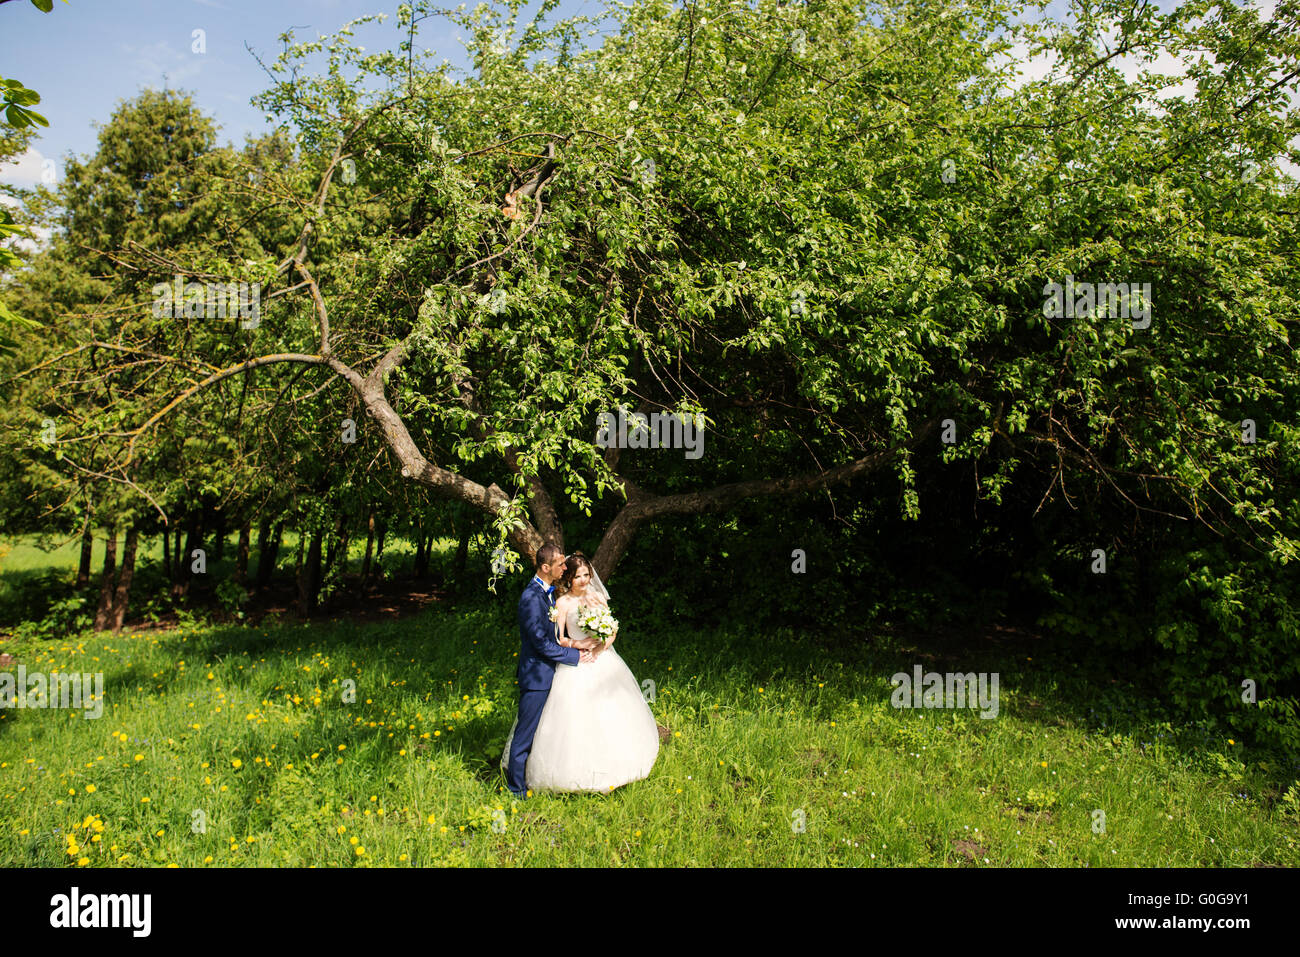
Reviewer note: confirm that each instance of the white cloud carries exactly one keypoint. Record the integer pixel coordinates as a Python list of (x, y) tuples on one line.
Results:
[(26, 170), (42, 233)]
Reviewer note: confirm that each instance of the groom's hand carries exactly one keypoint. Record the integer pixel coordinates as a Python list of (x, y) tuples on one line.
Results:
[(586, 657)]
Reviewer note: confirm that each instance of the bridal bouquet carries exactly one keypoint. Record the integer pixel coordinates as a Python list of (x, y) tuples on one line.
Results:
[(598, 622)]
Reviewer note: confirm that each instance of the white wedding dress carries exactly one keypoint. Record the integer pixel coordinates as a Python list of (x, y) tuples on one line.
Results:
[(596, 731)]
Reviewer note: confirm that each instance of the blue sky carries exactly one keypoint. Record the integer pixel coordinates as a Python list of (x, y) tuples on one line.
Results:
[(87, 55)]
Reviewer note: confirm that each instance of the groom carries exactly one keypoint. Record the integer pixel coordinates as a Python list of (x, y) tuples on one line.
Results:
[(539, 653)]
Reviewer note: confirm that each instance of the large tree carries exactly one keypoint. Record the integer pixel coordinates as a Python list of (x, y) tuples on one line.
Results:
[(829, 229)]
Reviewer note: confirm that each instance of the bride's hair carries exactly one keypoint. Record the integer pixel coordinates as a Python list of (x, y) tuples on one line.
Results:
[(576, 561)]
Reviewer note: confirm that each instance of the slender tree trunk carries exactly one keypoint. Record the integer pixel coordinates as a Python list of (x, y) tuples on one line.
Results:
[(314, 573), (345, 540), (263, 542), (421, 566), (336, 540), (176, 558), (103, 614), (297, 570), (87, 550), (241, 558), (219, 536), (309, 575), (383, 533), (193, 540), (167, 554), (370, 542), (268, 556), (462, 551), (122, 594)]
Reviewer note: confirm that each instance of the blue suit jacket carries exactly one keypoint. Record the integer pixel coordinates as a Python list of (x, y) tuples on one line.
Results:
[(539, 652)]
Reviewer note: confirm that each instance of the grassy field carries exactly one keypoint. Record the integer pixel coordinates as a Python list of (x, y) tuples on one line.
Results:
[(237, 746)]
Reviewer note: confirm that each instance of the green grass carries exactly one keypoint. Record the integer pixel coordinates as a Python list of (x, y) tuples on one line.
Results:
[(765, 730), (762, 727)]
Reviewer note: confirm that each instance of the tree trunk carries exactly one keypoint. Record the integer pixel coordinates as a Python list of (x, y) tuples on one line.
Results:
[(370, 542), (309, 576), (103, 614), (421, 566), (87, 549), (241, 559), (345, 541), (193, 540), (337, 540), (263, 542), (167, 555), (462, 552), (267, 556), (176, 557), (219, 536), (122, 594), (298, 574)]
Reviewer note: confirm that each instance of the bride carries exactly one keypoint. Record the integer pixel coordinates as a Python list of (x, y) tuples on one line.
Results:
[(596, 731)]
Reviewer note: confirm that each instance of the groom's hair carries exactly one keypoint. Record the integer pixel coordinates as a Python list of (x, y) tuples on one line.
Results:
[(547, 555)]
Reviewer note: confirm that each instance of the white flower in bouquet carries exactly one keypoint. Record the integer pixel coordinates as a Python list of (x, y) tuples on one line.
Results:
[(597, 621)]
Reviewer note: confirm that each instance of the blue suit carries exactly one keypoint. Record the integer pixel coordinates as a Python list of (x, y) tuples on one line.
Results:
[(539, 653)]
